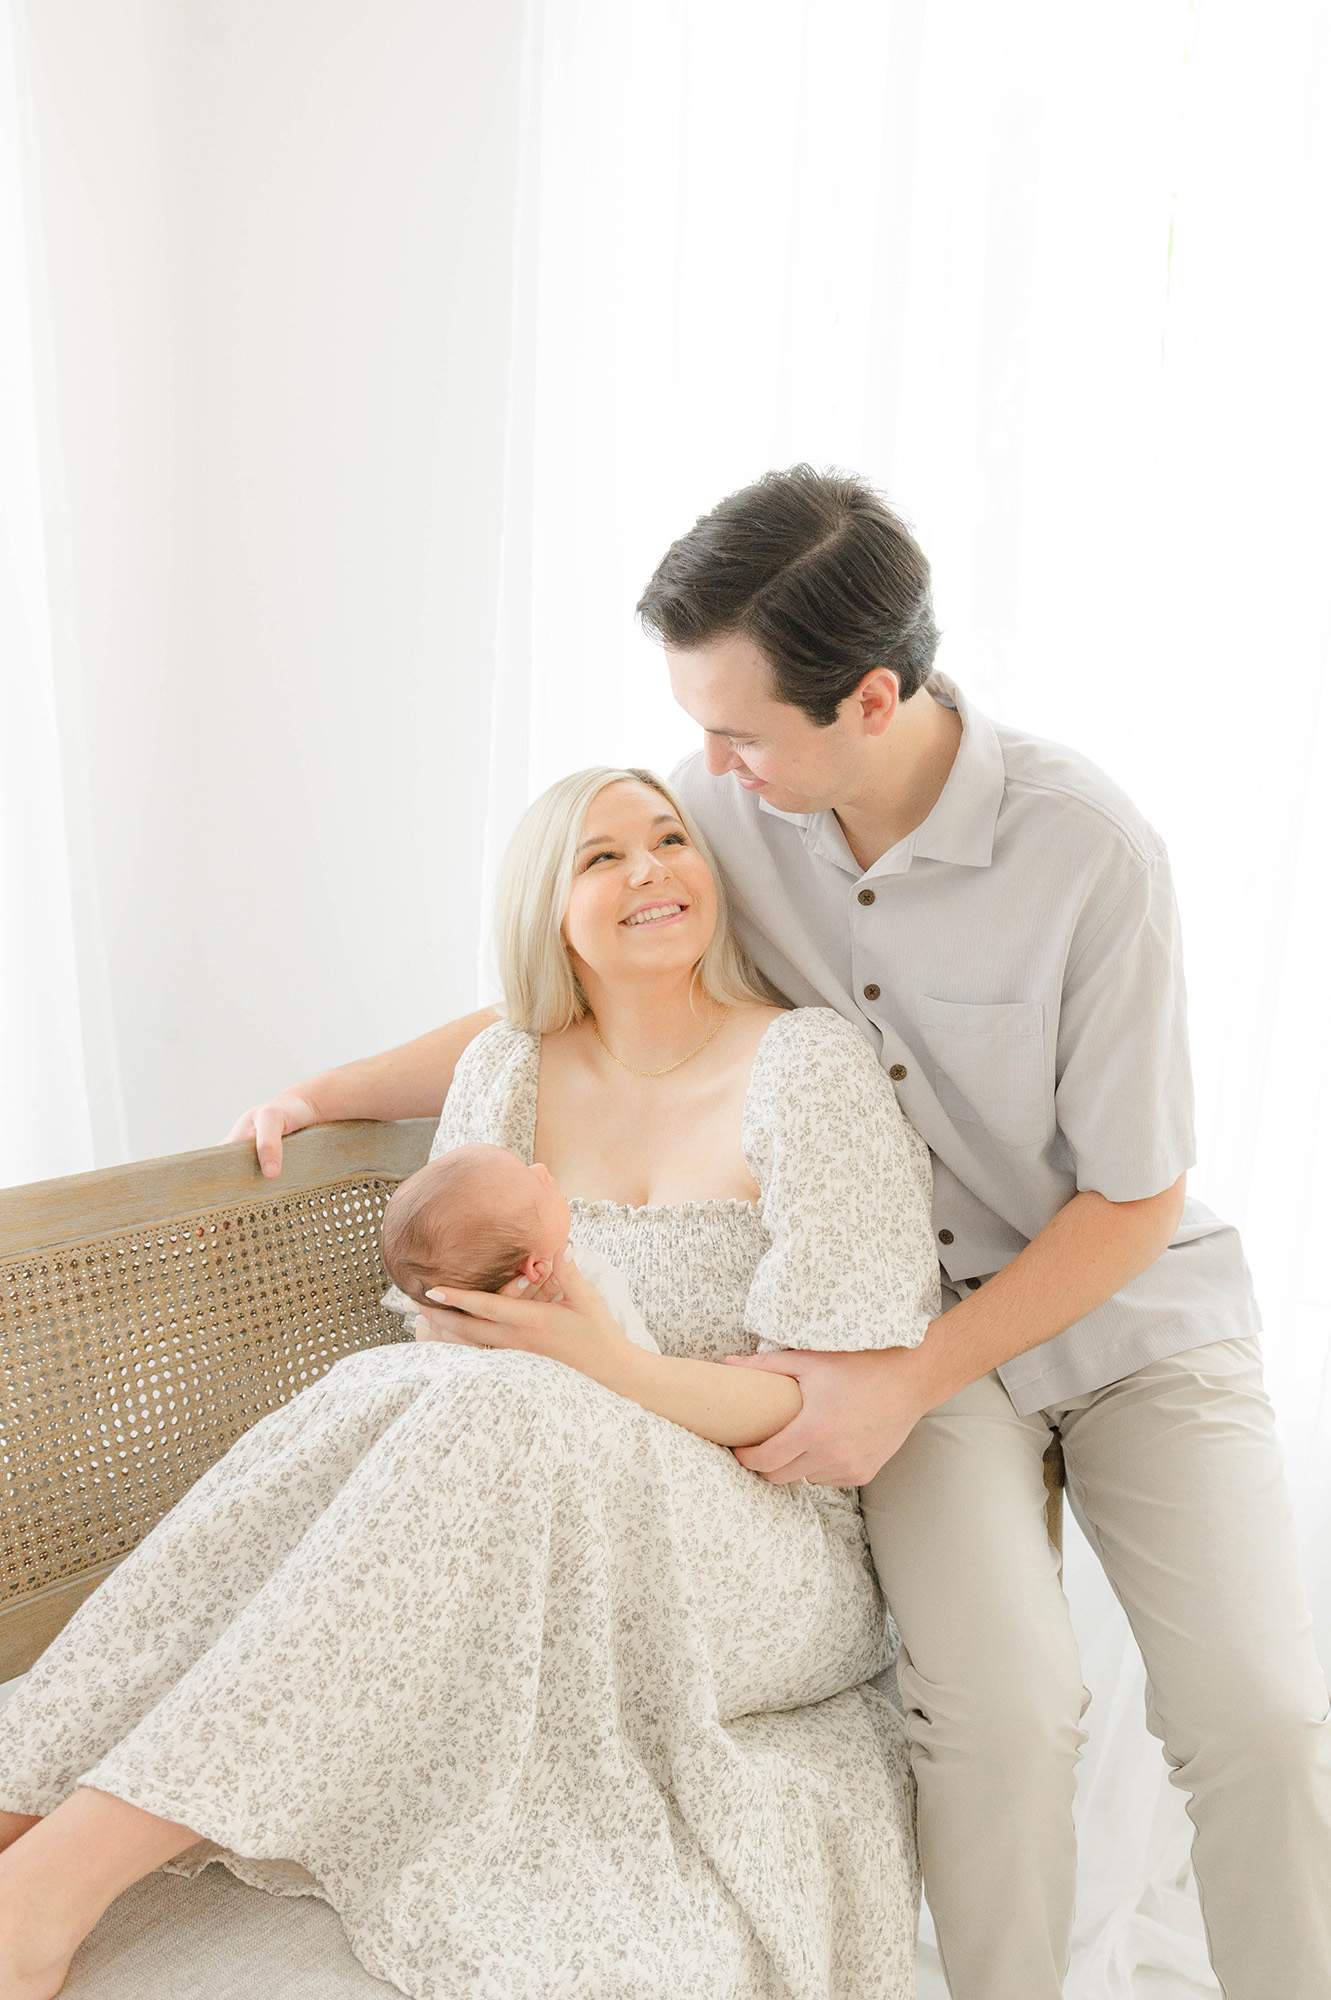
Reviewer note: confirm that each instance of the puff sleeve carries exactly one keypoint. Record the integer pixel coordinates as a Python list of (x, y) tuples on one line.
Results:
[(846, 1192)]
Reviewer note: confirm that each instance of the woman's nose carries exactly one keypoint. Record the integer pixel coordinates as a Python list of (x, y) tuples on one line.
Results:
[(647, 867)]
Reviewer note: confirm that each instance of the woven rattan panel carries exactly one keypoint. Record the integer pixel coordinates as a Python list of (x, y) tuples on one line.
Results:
[(132, 1362)]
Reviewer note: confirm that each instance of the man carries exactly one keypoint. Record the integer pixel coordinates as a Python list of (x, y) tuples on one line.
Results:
[(998, 921)]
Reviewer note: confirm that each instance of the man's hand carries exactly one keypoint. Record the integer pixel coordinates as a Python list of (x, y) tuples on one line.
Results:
[(269, 1124), (858, 1410)]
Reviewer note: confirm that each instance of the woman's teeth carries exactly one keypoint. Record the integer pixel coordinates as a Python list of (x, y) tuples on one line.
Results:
[(657, 914)]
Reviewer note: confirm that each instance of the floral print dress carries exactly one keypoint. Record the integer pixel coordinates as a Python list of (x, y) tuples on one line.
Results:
[(545, 1695)]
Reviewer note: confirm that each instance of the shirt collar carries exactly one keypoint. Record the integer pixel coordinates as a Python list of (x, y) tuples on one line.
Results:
[(961, 826)]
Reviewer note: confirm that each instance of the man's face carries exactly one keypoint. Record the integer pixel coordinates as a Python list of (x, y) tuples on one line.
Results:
[(772, 747)]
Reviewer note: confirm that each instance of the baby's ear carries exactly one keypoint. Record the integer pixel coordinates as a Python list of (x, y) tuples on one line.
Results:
[(535, 1269)]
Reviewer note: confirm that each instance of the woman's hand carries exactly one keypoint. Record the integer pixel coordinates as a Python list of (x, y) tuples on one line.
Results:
[(269, 1124), (582, 1332), (442, 1323)]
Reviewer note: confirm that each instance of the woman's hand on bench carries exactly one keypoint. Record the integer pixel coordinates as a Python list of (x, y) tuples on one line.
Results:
[(269, 1124)]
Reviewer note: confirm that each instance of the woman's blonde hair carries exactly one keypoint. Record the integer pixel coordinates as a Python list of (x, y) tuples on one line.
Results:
[(542, 993)]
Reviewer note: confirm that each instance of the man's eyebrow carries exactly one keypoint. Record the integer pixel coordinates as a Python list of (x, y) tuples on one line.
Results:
[(604, 840)]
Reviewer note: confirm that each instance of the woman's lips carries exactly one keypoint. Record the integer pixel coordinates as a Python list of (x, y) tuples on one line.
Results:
[(648, 921)]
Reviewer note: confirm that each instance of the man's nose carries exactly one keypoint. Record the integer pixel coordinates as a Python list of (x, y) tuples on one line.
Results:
[(719, 756)]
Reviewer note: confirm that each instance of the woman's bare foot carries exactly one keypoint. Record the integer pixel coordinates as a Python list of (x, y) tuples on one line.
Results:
[(24, 1976), (32, 1967), (37, 1937), (19, 1981), (56, 1881)]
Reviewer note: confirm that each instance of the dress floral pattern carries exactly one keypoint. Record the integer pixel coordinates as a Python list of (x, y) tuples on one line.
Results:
[(544, 1694)]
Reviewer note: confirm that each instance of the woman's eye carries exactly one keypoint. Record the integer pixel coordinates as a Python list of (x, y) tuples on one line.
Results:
[(677, 838)]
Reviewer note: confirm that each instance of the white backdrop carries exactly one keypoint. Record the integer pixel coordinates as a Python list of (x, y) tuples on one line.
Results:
[(267, 253), (389, 344)]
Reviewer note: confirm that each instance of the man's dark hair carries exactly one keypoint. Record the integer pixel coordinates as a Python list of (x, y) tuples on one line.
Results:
[(817, 571)]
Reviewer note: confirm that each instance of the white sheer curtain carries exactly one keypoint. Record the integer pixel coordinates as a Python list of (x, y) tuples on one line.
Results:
[(48, 1106), (1058, 279)]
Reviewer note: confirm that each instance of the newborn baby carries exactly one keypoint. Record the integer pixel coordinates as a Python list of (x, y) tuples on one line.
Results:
[(476, 1218)]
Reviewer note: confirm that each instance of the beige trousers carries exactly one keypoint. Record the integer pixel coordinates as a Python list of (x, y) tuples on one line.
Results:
[(1175, 1476)]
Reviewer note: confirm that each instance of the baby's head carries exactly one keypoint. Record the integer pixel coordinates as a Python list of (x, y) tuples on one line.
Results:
[(471, 1220)]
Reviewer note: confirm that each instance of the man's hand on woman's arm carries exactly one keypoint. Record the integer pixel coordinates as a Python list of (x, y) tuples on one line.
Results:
[(860, 1408), (407, 1082)]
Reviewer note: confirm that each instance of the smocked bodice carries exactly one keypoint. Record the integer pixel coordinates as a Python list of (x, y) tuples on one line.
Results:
[(689, 1268), (837, 1252)]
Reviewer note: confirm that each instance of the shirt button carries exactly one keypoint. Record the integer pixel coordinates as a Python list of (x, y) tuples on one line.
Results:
[(866, 896), (872, 992), (946, 1236), (897, 1072), (974, 1283)]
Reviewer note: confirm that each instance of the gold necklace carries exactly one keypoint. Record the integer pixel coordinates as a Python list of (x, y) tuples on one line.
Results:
[(674, 1065)]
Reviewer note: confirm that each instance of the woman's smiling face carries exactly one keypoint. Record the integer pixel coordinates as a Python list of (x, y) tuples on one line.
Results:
[(643, 903)]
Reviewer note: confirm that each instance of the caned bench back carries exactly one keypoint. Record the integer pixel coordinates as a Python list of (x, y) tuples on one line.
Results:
[(151, 1313)]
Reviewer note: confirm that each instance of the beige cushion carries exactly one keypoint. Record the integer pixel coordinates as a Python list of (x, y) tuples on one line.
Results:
[(211, 1938)]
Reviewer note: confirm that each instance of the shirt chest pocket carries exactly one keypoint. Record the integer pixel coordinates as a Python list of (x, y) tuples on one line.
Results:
[(989, 1066)]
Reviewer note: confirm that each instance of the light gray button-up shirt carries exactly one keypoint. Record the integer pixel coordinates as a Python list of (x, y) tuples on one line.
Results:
[(1016, 964)]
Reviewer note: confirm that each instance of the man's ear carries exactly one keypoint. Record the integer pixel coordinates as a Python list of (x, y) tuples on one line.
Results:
[(879, 698)]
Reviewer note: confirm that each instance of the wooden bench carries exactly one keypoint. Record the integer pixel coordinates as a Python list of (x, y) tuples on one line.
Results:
[(151, 1313)]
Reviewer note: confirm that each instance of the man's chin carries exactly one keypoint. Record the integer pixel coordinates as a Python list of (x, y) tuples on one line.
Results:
[(772, 795)]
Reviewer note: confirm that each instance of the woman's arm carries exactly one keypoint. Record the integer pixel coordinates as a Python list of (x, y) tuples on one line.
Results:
[(407, 1082), (699, 1395), (727, 1405)]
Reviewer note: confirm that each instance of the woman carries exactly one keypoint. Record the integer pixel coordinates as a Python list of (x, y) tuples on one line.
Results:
[(500, 1652)]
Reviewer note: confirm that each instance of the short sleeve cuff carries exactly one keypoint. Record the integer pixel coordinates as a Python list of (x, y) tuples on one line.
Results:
[(1136, 1179)]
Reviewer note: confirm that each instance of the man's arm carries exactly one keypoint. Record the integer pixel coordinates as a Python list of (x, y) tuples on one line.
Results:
[(407, 1082), (860, 1408)]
